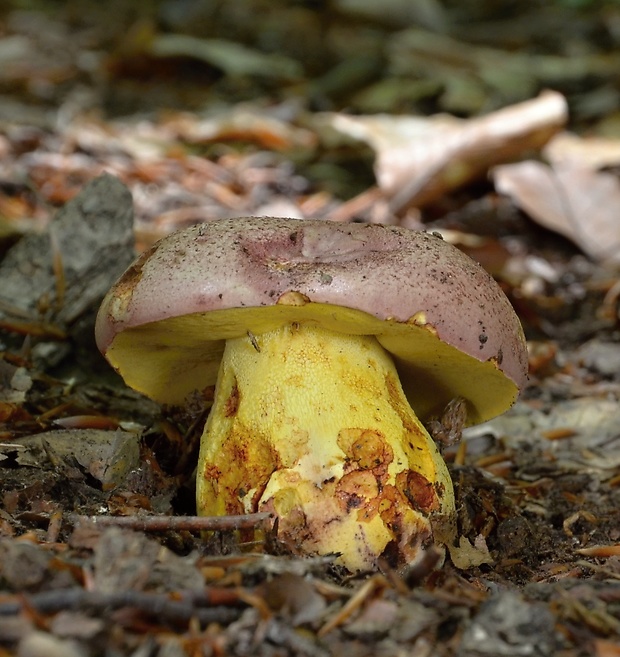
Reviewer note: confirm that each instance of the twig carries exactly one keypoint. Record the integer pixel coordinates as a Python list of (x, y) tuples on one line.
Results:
[(190, 605), (178, 523)]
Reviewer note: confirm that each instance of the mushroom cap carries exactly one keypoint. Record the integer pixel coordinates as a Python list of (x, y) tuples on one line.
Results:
[(448, 325)]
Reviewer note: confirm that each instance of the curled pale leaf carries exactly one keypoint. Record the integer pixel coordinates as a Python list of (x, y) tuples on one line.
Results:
[(420, 159)]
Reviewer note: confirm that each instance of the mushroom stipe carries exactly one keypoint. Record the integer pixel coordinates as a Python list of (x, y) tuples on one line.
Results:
[(325, 344)]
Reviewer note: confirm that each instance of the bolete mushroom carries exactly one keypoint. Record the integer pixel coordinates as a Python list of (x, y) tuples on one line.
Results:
[(325, 343)]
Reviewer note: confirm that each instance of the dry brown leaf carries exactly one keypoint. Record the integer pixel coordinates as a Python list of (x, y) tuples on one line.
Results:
[(579, 203), (420, 159)]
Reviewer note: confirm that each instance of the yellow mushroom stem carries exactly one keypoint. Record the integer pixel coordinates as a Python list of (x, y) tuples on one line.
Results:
[(313, 425)]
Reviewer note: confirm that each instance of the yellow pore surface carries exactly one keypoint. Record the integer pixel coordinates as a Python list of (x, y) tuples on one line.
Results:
[(173, 358), (313, 426)]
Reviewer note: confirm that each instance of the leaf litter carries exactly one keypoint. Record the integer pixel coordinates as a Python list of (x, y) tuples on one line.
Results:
[(100, 552)]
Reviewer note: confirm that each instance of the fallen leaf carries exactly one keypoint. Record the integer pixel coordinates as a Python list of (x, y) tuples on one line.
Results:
[(14, 384), (377, 618), (125, 560), (92, 238), (106, 455), (296, 597), (579, 203), (467, 555), (420, 159)]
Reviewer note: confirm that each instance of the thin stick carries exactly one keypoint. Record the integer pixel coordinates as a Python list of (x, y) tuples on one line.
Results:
[(177, 523)]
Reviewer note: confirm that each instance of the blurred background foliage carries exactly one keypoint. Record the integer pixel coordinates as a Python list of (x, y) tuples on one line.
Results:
[(362, 56)]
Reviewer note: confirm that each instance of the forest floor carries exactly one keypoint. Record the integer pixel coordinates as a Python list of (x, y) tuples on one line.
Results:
[(497, 127)]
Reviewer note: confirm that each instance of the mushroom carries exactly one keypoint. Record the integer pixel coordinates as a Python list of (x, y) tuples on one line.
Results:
[(328, 345)]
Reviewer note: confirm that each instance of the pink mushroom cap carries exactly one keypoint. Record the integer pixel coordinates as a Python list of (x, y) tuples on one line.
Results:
[(449, 327)]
